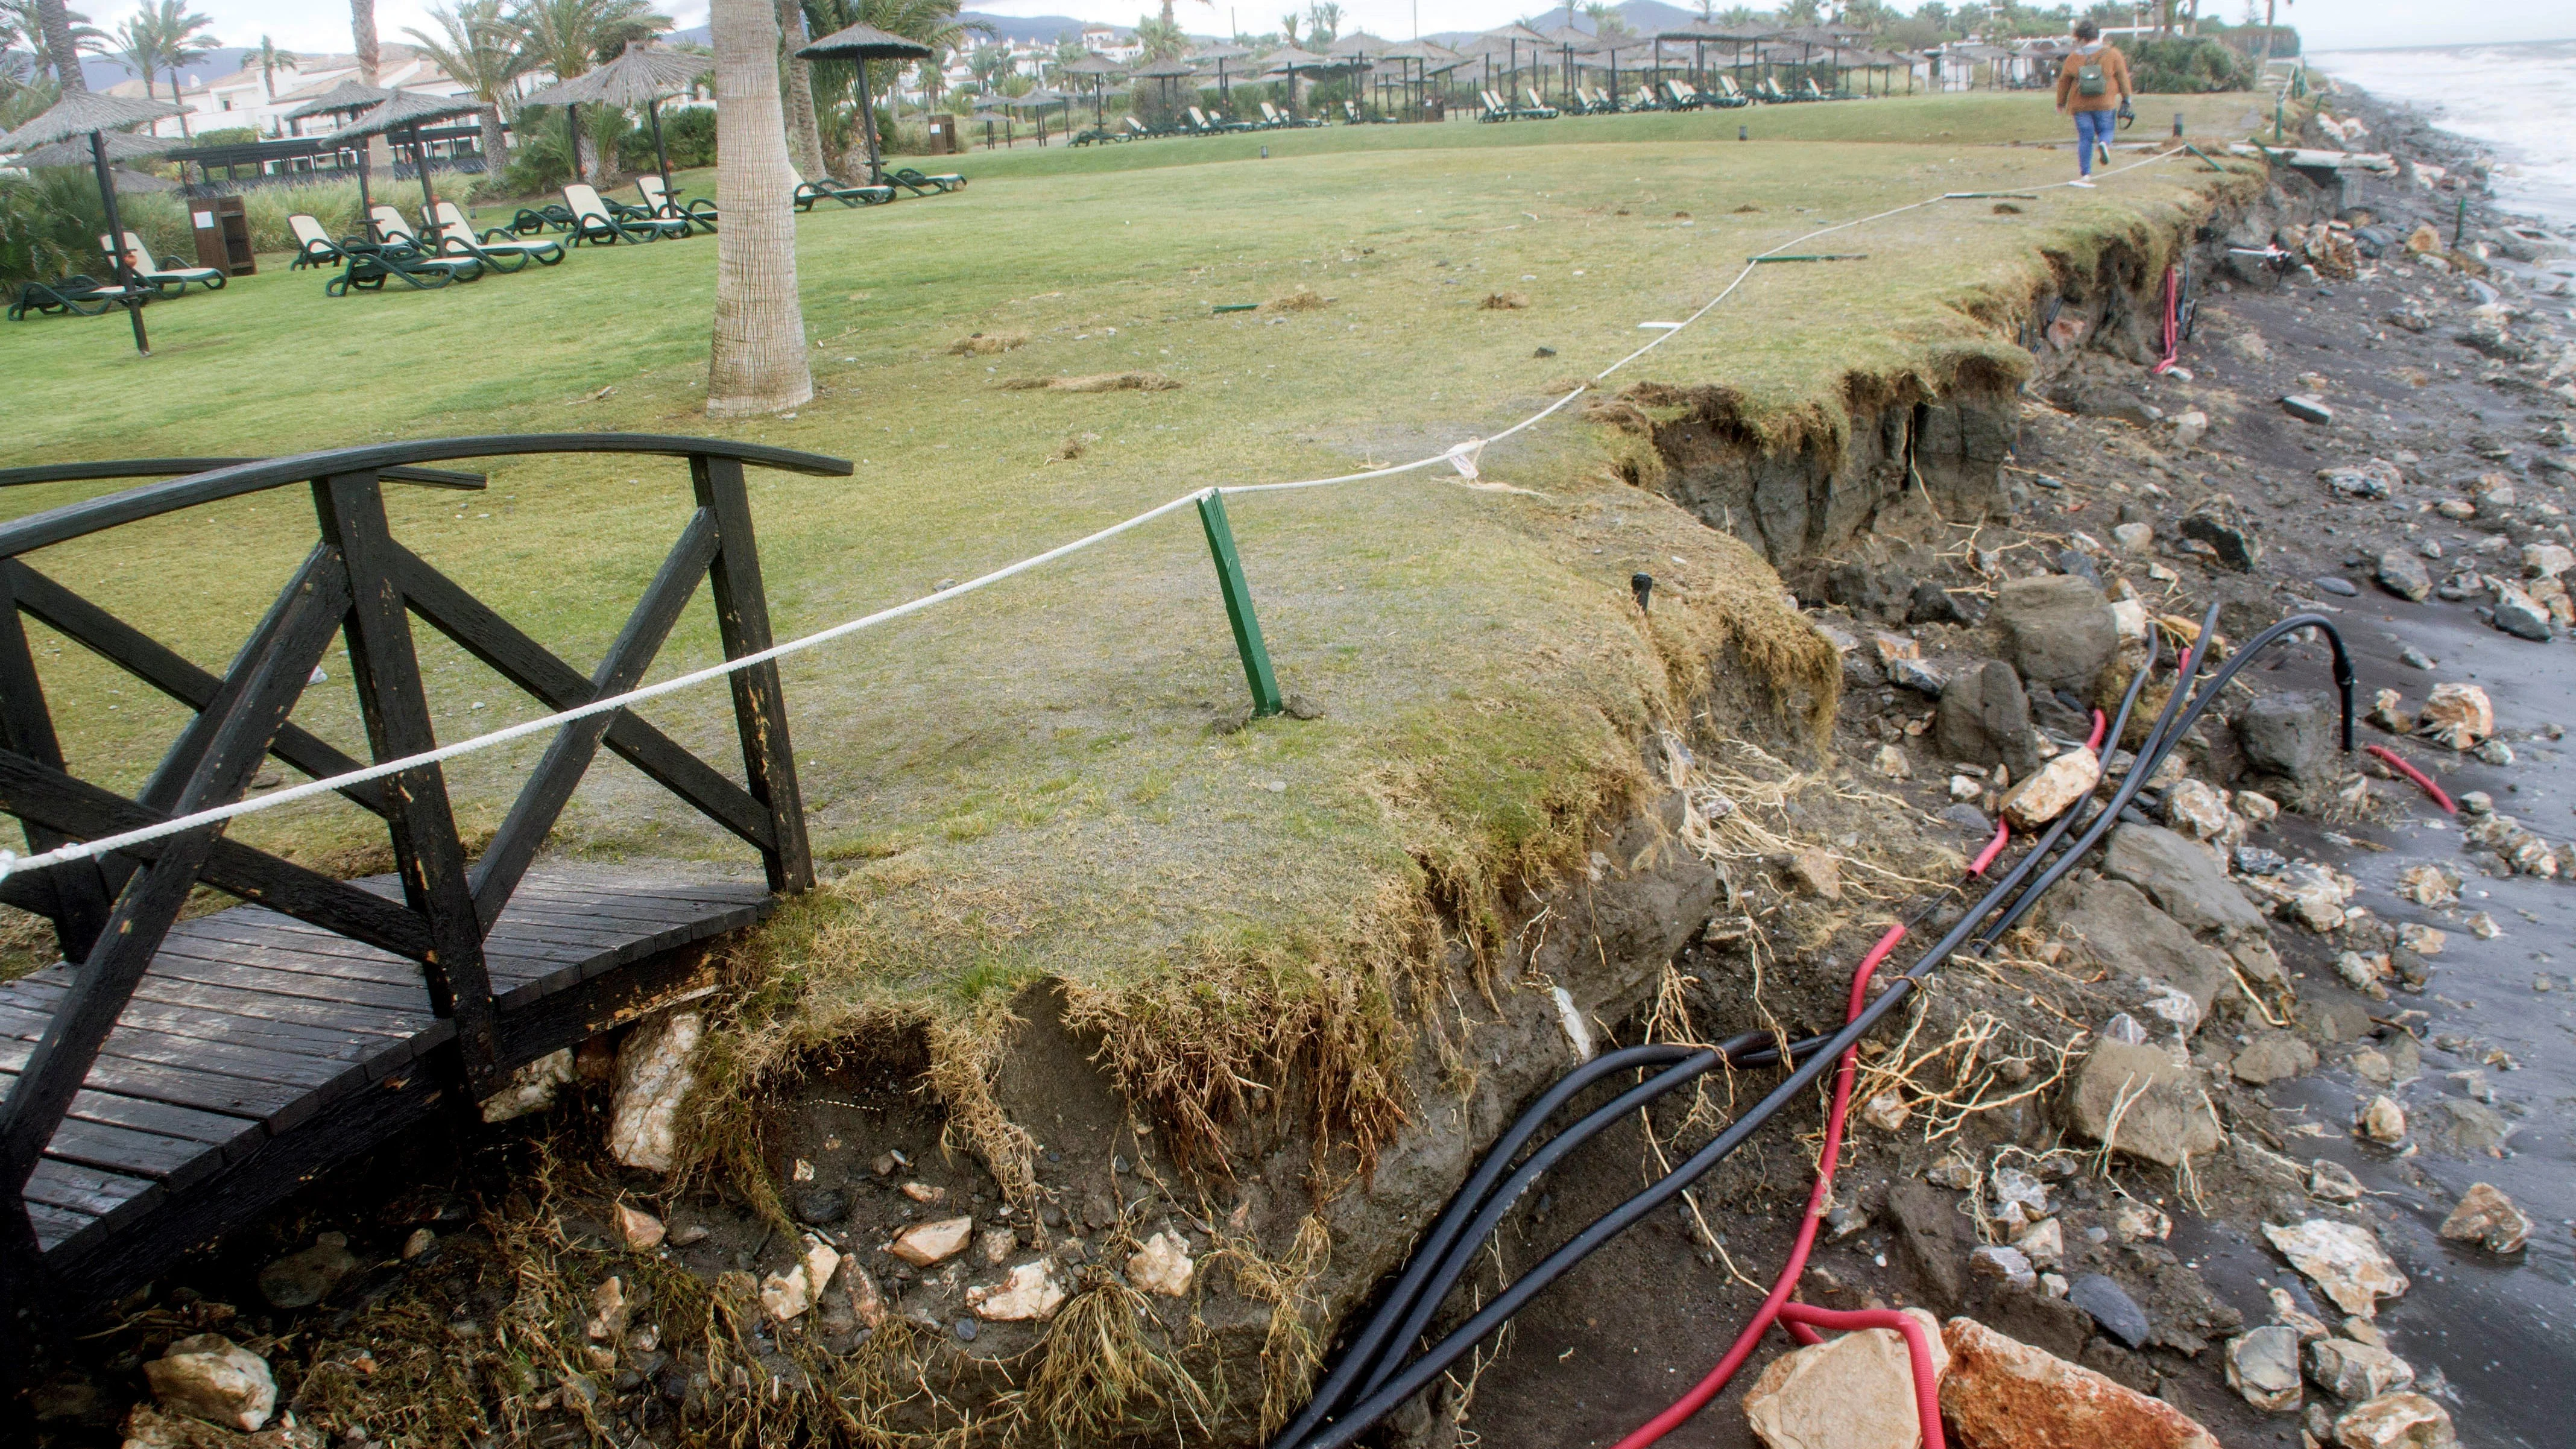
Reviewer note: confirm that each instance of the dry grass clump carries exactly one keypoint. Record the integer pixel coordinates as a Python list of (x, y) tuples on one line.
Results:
[(1095, 382), (1304, 299), (1101, 1376), (983, 344), (1504, 301)]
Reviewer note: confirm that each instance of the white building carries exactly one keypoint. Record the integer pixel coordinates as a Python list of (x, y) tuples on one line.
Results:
[(261, 102)]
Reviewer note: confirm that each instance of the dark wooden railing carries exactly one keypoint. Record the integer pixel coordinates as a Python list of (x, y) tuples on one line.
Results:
[(359, 583)]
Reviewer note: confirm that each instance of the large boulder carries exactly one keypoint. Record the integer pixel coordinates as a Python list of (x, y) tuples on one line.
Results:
[(2293, 734), (2122, 930), (1984, 718), (2004, 1394), (656, 1068), (2058, 631), (2184, 878), (1855, 1391), (2142, 1102), (207, 1376)]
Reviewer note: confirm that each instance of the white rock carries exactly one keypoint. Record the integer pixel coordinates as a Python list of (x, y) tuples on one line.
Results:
[(1030, 1293), (2546, 560), (2257, 807), (1886, 1111), (2287, 1312), (996, 1245), (655, 1070), (2487, 1217), (1964, 788), (1892, 763), (1854, 1391), (2396, 1421), (2008, 1264), (1162, 1266), (2333, 1181), (532, 1087), (639, 1230), (2196, 809), (788, 1295), (2344, 1261), (2044, 1243), (2263, 1365), (2136, 1222), (608, 1310), (2383, 1121), (2457, 715), (928, 1243), (2134, 538), (2052, 789), (2129, 616), (2354, 1371), (207, 1376)]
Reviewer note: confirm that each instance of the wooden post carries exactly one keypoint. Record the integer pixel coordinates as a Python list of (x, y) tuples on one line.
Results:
[(759, 700), (27, 728), (426, 851)]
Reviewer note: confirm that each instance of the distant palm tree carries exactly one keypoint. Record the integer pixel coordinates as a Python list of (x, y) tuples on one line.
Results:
[(1323, 22), (66, 36), (569, 37), (1288, 26), (1605, 18), (479, 51), (272, 60), (182, 38), (138, 44)]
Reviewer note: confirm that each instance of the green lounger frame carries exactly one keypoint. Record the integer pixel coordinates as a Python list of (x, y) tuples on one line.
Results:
[(371, 265), (827, 189), (920, 185), (77, 295)]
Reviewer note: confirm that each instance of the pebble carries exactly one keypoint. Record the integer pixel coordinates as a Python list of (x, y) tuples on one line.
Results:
[(2263, 1365), (2009, 1264), (2414, 658), (2111, 1307), (2383, 1121), (2488, 1218), (821, 1207), (2341, 588)]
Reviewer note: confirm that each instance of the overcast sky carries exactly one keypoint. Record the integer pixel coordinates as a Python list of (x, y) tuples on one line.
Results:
[(319, 25)]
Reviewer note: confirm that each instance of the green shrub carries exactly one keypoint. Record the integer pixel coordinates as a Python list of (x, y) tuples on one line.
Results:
[(50, 225), (226, 136), (690, 133), (2189, 67), (332, 203)]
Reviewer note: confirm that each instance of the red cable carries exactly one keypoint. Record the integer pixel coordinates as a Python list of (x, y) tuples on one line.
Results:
[(1918, 1349), (1796, 1316), (2173, 323), (2416, 775), (1709, 1387)]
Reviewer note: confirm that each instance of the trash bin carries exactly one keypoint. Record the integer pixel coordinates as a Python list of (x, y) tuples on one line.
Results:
[(223, 235)]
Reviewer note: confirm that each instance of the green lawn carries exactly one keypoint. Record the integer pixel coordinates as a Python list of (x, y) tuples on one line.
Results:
[(1032, 782)]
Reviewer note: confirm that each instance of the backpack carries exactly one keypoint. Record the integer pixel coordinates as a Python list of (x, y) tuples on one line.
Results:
[(2090, 81)]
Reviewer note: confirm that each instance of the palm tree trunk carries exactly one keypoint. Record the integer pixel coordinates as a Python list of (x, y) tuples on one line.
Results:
[(496, 142), (362, 31), (804, 133), (60, 52), (757, 364)]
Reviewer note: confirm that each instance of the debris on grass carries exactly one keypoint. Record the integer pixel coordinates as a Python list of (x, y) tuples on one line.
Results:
[(1073, 446), (980, 344), (1094, 382), (1504, 301), (1304, 299)]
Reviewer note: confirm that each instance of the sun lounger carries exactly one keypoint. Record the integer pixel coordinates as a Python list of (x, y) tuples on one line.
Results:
[(372, 264), (1135, 130), (827, 189), (1729, 95), (73, 296), (497, 247), (593, 222), (1536, 109), (1769, 90), (313, 246), (919, 185), (168, 281), (658, 201), (550, 216), (1490, 107)]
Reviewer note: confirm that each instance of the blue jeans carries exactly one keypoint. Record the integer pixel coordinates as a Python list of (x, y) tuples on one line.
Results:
[(2091, 128)]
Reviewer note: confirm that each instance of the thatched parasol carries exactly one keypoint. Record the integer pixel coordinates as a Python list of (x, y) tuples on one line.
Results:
[(863, 43), (404, 113), (644, 74), (95, 115)]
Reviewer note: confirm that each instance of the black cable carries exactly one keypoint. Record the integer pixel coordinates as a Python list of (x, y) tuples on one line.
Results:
[(2169, 729)]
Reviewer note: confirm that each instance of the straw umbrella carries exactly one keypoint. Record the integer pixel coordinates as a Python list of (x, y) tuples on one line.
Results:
[(1166, 71), (1041, 98), (1356, 48), (95, 114), (347, 98), (403, 114), (1513, 37), (1287, 60), (863, 43), (645, 75), (1220, 53), (1099, 68), (1416, 57)]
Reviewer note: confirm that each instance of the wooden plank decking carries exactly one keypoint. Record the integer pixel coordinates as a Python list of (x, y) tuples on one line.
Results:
[(259, 1049)]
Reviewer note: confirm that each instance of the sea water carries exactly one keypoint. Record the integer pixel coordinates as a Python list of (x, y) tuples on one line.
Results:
[(2518, 100)]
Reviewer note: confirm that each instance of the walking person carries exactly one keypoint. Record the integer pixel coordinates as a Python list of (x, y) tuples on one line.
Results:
[(2093, 83)]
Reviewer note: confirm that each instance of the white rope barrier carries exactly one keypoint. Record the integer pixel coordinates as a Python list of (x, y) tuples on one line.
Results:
[(1462, 457)]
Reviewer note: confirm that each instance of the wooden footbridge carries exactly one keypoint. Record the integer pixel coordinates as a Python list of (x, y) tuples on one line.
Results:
[(171, 1079)]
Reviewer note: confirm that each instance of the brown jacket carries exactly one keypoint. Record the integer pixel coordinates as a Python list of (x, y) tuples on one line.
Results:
[(2115, 76)]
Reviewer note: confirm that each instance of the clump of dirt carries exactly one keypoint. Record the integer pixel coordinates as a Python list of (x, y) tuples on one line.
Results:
[(1747, 209), (981, 344), (1505, 301), (1094, 382), (1074, 446), (1304, 299), (2006, 208)]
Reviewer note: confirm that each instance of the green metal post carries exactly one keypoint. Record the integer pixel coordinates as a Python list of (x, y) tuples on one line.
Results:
[(1238, 608)]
